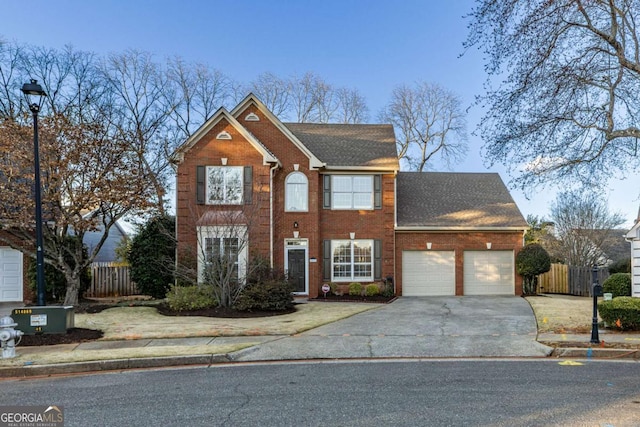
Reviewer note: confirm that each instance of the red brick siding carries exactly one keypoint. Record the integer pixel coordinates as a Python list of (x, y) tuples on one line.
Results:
[(289, 154), (208, 152), (366, 224), (458, 242)]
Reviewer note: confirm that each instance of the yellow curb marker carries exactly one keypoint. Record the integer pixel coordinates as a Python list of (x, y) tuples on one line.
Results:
[(570, 363)]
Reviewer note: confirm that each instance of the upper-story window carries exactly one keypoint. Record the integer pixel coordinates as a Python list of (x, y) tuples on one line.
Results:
[(297, 192), (224, 185), (352, 192)]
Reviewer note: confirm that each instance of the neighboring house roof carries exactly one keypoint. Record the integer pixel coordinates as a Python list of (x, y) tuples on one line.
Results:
[(350, 146), (455, 201), (222, 113), (107, 252), (617, 247), (634, 233)]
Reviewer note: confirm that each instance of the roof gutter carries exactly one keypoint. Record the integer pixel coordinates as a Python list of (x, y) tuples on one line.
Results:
[(359, 169), (408, 229)]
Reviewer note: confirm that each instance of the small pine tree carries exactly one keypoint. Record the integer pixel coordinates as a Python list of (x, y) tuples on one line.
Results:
[(532, 260)]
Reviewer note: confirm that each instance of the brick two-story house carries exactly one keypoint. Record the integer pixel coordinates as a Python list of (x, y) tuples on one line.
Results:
[(328, 203)]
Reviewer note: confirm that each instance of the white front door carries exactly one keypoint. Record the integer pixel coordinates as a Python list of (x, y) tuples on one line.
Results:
[(10, 274)]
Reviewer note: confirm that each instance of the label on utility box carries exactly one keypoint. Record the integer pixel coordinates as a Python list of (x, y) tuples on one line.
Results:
[(38, 320)]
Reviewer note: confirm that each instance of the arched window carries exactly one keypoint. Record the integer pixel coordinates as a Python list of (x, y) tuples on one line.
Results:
[(296, 192)]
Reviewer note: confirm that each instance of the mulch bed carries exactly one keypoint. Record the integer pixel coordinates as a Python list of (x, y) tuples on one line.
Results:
[(73, 336), (354, 298)]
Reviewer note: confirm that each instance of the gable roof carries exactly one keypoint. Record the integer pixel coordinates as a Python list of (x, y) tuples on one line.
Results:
[(350, 146), (222, 113), (251, 99), (634, 233), (455, 201)]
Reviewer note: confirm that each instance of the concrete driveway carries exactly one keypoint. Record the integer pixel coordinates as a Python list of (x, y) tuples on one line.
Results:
[(469, 326)]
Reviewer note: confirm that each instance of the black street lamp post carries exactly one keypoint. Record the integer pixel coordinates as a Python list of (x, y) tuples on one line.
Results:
[(31, 91), (596, 292)]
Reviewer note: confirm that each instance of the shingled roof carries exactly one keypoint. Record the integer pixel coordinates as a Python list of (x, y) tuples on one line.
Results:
[(441, 200), (349, 145)]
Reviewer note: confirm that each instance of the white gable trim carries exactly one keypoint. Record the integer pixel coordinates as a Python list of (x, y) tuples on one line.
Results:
[(178, 156), (314, 162)]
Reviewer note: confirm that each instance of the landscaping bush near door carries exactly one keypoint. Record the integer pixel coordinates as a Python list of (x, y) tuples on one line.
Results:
[(186, 298), (618, 284), (272, 295), (622, 313)]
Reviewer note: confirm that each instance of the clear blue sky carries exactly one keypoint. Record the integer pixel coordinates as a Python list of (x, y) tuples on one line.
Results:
[(371, 45)]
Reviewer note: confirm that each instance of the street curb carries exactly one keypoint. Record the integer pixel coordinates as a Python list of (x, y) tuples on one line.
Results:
[(596, 353), (111, 365), (31, 371)]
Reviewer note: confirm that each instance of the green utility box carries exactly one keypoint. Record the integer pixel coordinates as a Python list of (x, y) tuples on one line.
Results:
[(53, 319)]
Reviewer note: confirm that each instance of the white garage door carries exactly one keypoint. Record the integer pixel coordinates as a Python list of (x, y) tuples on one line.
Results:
[(10, 275), (489, 273), (428, 273)]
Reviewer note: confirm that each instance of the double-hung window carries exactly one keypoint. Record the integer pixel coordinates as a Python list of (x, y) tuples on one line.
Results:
[(224, 185), (296, 193), (352, 260), (222, 254), (352, 192)]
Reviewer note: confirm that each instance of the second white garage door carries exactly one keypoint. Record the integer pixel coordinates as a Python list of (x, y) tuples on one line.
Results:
[(489, 273), (428, 273)]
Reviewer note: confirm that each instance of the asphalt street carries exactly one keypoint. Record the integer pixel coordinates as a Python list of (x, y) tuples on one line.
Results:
[(399, 393)]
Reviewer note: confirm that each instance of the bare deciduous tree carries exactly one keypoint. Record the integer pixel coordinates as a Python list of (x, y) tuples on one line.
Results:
[(352, 107), (200, 91), (143, 100), (429, 122), (583, 226), (274, 92), (562, 93)]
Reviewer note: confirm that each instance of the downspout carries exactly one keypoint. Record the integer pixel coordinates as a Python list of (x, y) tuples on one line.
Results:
[(395, 226), (271, 232)]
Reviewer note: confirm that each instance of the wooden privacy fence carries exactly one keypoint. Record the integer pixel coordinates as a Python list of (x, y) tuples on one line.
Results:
[(110, 279), (569, 279)]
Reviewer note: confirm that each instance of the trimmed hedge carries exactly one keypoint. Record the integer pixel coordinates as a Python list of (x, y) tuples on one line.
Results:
[(372, 290), (355, 288), (619, 284), (271, 295), (184, 298), (621, 313)]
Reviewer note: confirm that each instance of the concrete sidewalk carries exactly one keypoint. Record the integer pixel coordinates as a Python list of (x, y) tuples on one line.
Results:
[(407, 328)]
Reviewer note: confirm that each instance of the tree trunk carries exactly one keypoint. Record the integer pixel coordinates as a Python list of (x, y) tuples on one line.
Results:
[(71, 297), (73, 287)]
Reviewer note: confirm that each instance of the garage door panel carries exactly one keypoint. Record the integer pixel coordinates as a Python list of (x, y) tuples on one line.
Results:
[(428, 273), (489, 273)]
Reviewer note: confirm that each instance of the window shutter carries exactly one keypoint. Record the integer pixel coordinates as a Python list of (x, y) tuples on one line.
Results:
[(200, 185), (377, 259), (326, 260), (326, 200), (377, 191), (248, 185)]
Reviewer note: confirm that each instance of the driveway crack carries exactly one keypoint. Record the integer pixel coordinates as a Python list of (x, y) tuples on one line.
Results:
[(444, 318)]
